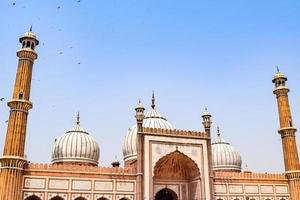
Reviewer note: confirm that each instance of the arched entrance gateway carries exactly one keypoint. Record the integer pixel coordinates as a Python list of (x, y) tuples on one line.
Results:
[(176, 176), (166, 194)]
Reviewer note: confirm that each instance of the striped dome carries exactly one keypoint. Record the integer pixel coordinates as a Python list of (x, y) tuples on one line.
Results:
[(76, 146), (224, 156), (153, 119)]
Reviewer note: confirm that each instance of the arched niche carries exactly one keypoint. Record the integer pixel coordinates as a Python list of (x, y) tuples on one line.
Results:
[(176, 166), (180, 170)]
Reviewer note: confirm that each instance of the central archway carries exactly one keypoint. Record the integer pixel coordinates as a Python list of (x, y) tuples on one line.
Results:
[(166, 194), (176, 166), (177, 171)]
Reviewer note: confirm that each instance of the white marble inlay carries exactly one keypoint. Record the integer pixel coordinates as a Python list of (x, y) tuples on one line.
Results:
[(236, 189), (266, 189), (81, 185), (103, 185), (281, 189), (251, 189), (34, 183), (220, 188), (125, 186), (59, 184)]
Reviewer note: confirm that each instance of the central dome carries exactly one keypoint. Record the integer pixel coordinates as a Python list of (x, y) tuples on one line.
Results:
[(76, 146), (153, 119)]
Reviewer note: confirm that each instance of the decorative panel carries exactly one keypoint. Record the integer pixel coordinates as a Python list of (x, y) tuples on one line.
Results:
[(266, 189), (86, 196), (183, 192), (125, 186), (120, 196), (236, 189), (38, 194), (81, 185), (194, 192), (58, 184), (251, 189), (220, 189), (34, 183), (104, 185), (281, 189), (106, 196), (64, 196)]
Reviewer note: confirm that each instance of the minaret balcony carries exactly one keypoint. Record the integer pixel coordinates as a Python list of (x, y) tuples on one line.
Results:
[(20, 105)]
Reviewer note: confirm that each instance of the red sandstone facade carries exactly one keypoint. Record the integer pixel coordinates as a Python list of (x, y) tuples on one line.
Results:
[(170, 164)]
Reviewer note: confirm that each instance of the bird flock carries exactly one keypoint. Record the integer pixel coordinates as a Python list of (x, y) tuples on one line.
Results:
[(60, 52)]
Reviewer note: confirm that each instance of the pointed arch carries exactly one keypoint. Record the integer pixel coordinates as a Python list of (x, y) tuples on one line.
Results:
[(102, 198), (167, 194), (176, 165), (80, 198), (33, 197), (57, 198)]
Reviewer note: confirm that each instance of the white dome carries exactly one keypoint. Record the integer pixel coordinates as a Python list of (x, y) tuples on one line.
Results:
[(152, 120), (224, 156), (76, 146)]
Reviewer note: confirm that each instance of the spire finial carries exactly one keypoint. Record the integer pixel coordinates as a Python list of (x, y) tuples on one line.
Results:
[(277, 69), (153, 100), (78, 119), (30, 28), (218, 130)]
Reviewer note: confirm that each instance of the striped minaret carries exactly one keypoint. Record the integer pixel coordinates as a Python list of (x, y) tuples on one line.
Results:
[(287, 132), (12, 162)]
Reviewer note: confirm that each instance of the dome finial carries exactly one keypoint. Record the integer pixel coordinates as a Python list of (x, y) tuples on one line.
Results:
[(218, 130), (30, 29), (277, 69), (153, 100), (78, 118)]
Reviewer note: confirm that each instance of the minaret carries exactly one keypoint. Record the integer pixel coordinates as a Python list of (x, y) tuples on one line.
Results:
[(287, 132), (207, 127), (140, 151), (13, 161)]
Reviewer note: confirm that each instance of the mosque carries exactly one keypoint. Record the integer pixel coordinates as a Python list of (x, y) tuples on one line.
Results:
[(160, 162)]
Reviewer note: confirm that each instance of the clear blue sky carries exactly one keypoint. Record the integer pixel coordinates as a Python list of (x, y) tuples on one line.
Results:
[(220, 54)]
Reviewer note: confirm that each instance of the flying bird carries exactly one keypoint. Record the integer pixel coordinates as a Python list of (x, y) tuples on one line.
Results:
[(6, 121), (1, 99), (58, 7), (14, 4)]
